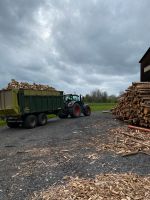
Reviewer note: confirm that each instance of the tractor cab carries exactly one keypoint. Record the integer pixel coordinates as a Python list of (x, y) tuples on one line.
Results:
[(72, 97)]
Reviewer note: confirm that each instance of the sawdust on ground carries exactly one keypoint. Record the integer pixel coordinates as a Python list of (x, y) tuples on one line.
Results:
[(103, 187), (125, 141)]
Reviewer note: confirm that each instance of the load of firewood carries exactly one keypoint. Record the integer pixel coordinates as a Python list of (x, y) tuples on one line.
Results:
[(24, 85), (134, 105)]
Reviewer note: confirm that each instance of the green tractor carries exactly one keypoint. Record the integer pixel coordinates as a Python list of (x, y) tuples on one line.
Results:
[(74, 106)]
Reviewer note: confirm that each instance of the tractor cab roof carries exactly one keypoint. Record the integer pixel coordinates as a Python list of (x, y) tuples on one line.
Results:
[(71, 95)]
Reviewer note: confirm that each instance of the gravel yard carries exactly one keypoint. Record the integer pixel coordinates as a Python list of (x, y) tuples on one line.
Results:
[(33, 160)]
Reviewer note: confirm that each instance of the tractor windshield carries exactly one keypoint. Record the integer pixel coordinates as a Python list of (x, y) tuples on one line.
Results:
[(71, 97)]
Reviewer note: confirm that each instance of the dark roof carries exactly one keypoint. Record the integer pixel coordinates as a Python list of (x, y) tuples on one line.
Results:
[(147, 52)]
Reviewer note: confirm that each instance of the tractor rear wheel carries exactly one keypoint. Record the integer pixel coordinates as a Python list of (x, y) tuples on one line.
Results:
[(87, 111), (75, 110), (42, 119), (30, 121)]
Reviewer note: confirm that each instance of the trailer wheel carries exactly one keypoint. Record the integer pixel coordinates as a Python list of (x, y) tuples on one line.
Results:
[(30, 121), (42, 119), (12, 124), (75, 110), (87, 110)]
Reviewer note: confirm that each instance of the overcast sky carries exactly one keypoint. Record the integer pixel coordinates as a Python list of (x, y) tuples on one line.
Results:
[(74, 45)]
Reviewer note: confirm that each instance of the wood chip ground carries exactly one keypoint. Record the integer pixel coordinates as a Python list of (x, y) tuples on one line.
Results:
[(111, 186), (103, 187), (127, 142)]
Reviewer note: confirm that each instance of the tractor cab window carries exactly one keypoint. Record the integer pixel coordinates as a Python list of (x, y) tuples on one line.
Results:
[(76, 98), (68, 98), (72, 98)]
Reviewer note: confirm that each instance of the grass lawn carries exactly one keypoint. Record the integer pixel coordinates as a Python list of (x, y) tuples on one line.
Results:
[(2, 123), (51, 116), (101, 106)]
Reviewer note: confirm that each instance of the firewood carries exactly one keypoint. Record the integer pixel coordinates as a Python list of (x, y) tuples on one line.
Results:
[(136, 139), (139, 128), (126, 141), (24, 85), (130, 153), (135, 104)]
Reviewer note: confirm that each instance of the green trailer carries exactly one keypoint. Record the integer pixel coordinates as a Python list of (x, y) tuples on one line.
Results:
[(29, 107)]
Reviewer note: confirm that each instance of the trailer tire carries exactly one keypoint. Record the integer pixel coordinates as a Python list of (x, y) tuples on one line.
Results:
[(30, 121), (42, 119), (12, 124), (87, 110), (75, 111)]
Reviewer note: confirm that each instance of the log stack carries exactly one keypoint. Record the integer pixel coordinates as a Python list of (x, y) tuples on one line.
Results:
[(134, 105), (24, 85)]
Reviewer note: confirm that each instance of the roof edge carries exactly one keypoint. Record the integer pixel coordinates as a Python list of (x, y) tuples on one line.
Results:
[(148, 51)]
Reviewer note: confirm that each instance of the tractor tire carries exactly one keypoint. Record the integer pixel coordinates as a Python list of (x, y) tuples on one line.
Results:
[(12, 124), (62, 115), (30, 121), (42, 119), (75, 110), (87, 110)]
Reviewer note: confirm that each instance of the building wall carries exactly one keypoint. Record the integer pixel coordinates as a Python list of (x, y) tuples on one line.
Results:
[(145, 68), (147, 76)]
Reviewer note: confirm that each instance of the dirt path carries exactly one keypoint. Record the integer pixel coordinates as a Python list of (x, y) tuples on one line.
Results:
[(34, 159)]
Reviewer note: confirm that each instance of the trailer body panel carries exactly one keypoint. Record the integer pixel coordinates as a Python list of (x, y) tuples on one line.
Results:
[(9, 103), (21, 102)]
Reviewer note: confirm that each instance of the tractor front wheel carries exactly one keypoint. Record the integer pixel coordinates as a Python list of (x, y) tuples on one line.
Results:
[(87, 111), (75, 110)]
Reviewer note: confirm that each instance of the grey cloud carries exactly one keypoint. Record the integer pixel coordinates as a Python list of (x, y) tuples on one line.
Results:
[(73, 45), (104, 43), (18, 20)]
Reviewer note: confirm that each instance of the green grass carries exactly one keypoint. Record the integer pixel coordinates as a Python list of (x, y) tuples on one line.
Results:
[(51, 116), (2, 123), (101, 106)]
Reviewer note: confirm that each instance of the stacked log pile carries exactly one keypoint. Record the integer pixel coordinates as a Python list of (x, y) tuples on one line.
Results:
[(24, 85), (134, 105)]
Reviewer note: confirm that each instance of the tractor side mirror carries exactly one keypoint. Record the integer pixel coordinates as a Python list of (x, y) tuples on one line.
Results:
[(81, 98)]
